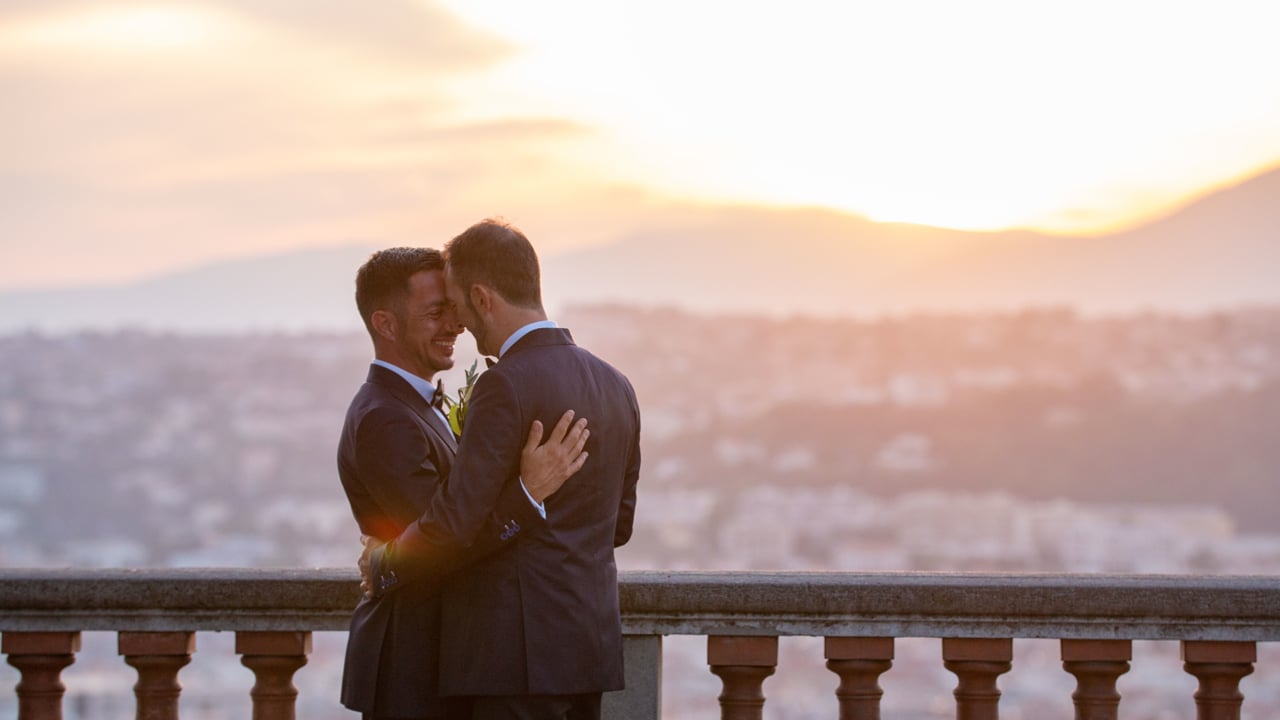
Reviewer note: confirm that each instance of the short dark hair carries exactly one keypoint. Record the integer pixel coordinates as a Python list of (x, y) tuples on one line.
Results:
[(382, 282), (495, 253)]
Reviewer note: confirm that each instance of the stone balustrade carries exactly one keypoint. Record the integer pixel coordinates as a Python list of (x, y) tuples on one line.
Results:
[(1218, 620)]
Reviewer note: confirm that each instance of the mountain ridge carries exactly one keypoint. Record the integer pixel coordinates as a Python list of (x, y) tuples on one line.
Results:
[(1216, 251)]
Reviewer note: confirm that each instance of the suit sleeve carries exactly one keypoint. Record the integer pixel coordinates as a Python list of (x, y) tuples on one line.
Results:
[(397, 468), (627, 506), (415, 556), (482, 494)]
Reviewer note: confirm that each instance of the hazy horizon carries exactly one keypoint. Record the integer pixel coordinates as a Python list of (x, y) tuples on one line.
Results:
[(558, 247), (1216, 253)]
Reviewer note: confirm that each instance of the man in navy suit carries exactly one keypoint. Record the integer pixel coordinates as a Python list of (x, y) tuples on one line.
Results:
[(395, 451), (531, 631)]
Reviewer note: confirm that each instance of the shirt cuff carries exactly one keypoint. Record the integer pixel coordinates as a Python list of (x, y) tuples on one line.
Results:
[(542, 509), (382, 578)]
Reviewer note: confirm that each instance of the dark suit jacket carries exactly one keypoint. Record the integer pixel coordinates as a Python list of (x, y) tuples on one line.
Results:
[(539, 616), (394, 453)]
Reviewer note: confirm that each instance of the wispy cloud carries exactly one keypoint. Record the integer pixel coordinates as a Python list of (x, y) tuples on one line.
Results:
[(140, 134)]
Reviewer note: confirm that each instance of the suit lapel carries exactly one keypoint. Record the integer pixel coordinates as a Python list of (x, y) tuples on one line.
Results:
[(406, 394), (442, 430)]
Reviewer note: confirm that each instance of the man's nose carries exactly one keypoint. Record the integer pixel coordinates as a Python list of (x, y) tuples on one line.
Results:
[(452, 321)]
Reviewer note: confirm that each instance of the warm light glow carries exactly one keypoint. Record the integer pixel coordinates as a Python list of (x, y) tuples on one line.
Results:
[(131, 29), (978, 115)]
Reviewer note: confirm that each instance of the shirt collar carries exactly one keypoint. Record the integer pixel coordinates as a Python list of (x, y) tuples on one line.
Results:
[(424, 387), (515, 336)]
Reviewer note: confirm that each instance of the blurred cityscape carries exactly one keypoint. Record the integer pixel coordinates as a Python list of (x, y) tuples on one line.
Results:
[(1035, 441)]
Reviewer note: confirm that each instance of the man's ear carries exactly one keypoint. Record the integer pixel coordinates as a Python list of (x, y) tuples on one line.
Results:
[(384, 323), (482, 299)]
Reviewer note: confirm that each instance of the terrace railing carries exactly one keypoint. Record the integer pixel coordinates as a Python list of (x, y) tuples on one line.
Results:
[(155, 614)]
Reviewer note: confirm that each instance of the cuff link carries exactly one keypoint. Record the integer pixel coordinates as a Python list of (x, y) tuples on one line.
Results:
[(388, 580), (509, 531)]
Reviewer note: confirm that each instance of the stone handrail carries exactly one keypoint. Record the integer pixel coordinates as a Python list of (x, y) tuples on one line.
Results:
[(1154, 607), (1139, 607)]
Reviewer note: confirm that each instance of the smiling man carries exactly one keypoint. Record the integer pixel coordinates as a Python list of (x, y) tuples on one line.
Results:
[(395, 452)]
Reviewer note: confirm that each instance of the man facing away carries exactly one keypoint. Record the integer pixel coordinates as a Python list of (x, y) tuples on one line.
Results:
[(395, 451), (531, 631)]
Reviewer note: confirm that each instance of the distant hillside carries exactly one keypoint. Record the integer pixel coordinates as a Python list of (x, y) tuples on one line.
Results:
[(310, 289), (1220, 251), (1223, 250)]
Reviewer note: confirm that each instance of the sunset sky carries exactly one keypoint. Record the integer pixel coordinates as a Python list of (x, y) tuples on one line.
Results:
[(141, 137)]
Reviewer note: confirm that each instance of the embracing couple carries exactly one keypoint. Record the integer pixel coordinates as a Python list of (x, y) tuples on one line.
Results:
[(490, 584)]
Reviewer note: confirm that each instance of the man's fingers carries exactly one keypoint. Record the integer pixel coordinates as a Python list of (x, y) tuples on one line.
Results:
[(561, 428), (535, 437), (583, 433), (576, 465)]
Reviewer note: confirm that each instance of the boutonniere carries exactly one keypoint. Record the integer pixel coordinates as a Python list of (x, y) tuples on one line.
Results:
[(456, 410)]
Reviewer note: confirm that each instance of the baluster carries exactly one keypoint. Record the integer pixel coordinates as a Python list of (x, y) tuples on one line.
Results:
[(859, 662), (1096, 664), (977, 662), (1219, 666), (742, 663), (40, 657), (273, 657), (157, 656)]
